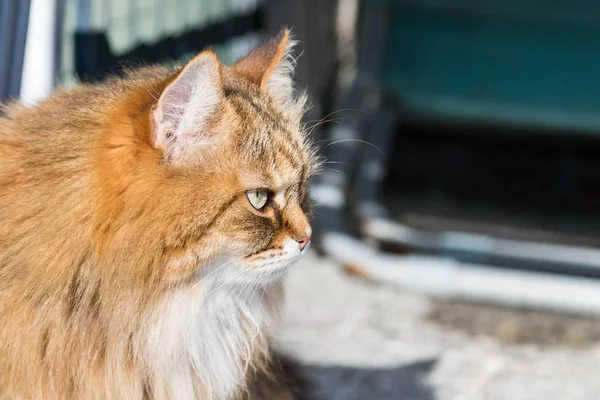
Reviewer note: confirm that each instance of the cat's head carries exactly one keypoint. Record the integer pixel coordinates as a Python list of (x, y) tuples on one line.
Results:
[(233, 139)]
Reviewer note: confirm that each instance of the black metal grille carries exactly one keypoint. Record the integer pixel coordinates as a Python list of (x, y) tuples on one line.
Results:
[(102, 36)]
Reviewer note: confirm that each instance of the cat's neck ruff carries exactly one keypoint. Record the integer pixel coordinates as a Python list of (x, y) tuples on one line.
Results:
[(203, 340)]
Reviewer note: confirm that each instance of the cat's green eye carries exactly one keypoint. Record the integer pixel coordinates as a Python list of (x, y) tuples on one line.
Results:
[(258, 198)]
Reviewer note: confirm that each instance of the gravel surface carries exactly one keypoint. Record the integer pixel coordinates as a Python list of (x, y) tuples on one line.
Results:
[(355, 340)]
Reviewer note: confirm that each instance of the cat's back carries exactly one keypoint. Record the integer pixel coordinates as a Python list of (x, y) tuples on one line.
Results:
[(62, 132), (59, 128), (46, 209), (45, 166), (59, 157)]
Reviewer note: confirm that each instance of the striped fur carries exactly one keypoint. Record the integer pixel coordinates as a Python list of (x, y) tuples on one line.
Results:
[(127, 275)]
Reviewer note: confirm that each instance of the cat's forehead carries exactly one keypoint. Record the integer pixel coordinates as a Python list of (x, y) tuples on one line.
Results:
[(270, 143), (265, 133), (274, 162), (276, 173), (276, 153)]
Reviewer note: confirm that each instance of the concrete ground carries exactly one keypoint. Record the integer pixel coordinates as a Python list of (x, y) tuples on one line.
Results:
[(356, 340)]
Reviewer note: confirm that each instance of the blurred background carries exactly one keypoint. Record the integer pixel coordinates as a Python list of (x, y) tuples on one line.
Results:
[(457, 216)]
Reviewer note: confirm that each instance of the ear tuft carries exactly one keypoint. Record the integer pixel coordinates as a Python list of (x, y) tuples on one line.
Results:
[(271, 67), (185, 108)]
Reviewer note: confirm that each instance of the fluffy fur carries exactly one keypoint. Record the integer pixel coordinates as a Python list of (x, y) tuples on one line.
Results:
[(132, 265)]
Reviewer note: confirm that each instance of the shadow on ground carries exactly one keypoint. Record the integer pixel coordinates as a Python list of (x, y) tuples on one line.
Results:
[(405, 382)]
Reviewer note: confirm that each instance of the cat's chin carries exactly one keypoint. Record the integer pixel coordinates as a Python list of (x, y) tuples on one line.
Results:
[(257, 269), (272, 270), (270, 266)]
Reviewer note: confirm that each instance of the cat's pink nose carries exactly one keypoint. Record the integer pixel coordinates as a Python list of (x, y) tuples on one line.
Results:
[(303, 241)]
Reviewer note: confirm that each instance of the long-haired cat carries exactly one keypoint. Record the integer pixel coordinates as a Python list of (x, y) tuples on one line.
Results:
[(145, 228)]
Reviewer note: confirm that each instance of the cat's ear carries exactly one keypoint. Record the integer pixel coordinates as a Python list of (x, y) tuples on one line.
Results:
[(271, 66), (186, 106)]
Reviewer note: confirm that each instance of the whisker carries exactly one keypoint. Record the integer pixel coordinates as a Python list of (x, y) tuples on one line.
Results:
[(325, 119), (338, 111), (237, 274), (339, 121), (319, 123), (216, 270), (356, 140), (262, 296), (243, 289)]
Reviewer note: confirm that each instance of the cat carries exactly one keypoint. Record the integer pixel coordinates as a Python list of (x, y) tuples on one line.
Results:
[(147, 225)]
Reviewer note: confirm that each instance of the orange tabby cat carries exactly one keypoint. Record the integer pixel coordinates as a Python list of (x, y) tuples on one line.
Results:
[(145, 228)]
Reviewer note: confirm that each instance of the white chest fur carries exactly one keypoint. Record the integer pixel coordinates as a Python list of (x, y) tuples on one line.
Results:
[(202, 341)]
